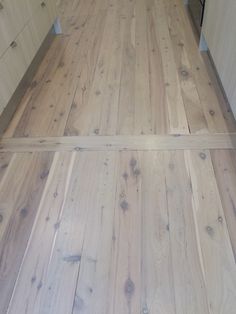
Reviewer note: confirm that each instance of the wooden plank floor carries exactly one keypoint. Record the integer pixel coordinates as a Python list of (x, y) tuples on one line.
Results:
[(118, 232), (118, 172), (122, 67)]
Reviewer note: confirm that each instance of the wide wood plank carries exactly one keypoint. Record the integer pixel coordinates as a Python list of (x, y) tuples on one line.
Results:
[(186, 260), (224, 163), (174, 101)]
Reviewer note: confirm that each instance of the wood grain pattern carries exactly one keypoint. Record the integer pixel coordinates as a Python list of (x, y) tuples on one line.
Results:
[(116, 143), (4, 163), (186, 260), (214, 241), (98, 257), (125, 203), (48, 218), (157, 276), (20, 193), (123, 67), (224, 163), (123, 232), (180, 27)]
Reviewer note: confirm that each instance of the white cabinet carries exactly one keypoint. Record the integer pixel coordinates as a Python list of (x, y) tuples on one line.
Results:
[(6, 85), (219, 30), (13, 17), (40, 23), (24, 25)]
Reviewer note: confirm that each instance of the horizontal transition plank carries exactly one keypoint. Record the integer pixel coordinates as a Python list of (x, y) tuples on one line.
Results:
[(116, 143)]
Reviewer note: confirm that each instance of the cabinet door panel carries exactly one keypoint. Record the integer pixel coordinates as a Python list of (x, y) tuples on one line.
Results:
[(6, 85), (32, 5), (13, 17), (52, 9), (29, 48), (40, 24), (15, 61)]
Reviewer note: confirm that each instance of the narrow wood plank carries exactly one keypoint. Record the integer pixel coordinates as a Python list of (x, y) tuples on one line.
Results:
[(224, 163), (217, 87), (186, 261), (94, 279), (218, 262), (126, 268), (20, 192), (106, 84), (158, 98), (174, 101), (157, 290), (98, 115), (80, 114), (10, 190), (4, 163), (33, 272), (116, 143), (143, 113), (126, 111), (193, 106)]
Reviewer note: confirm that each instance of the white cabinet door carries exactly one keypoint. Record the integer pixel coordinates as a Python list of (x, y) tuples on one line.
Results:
[(32, 5), (40, 24), (29, 48), (13, 17), (6, 85)]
